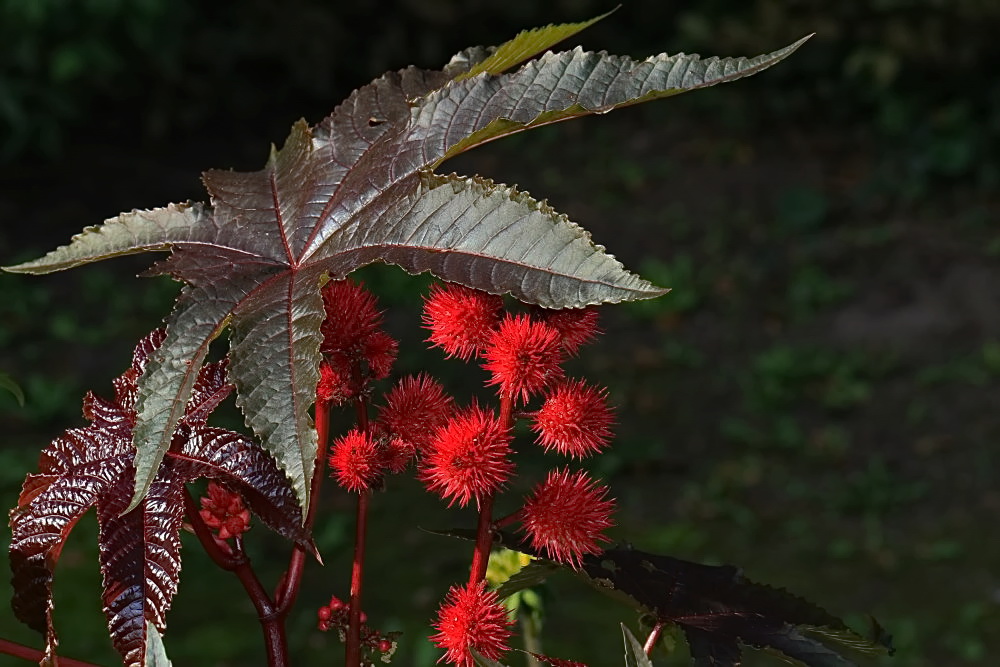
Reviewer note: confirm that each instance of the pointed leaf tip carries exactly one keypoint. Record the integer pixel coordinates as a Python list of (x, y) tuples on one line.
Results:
[(635, 654), (129, 233), (558, 86), (527, 44), (498, 239), (156, 653), (7, 383)]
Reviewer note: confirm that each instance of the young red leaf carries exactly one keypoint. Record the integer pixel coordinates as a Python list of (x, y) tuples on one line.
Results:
[(140, 549)]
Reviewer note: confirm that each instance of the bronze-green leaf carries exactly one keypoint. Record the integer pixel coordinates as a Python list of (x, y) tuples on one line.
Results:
[(358, 188)]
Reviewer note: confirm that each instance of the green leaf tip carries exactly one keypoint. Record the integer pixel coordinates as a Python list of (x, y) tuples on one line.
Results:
[(559, 86), (635, 654), (156, 653), (529, 43)]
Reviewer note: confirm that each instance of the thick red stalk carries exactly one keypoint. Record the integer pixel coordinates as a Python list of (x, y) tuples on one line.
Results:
[(484, 541), (352, 654), (484, 529), (33, 654)]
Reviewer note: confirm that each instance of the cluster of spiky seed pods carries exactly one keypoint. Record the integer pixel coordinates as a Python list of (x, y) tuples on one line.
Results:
[(465, 454)]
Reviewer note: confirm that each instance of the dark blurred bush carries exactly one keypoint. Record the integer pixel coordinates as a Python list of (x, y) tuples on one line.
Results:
[(60, 58), (918, 71), (168, 65), (918, 74)]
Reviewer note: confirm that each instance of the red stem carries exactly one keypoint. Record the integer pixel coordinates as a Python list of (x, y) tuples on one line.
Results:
[(484, 529), (21, 651), (654, 636), (352, 653), (513, 517), (484, 541)]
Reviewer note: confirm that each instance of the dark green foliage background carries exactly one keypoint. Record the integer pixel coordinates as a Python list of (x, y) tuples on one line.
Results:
[(815, 401)]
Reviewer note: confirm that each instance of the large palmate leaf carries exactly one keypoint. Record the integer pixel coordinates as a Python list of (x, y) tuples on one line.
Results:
[(139, 549), (359, 188)]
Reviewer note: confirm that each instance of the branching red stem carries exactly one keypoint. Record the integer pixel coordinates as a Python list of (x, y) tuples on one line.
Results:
[(33, 654), (484, 541), (513, 517)]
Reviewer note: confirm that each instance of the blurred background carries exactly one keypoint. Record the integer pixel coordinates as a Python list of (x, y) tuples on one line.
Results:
[(816, 401)]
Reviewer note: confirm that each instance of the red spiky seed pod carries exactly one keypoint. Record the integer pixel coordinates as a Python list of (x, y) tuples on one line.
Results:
[(523, 356), (379, 351), (335, 386), (472, 619), (469, 457), (566, 516), (576, 326), (460, 319), (352, 314), (223, 510), (397, 454), (354, 348), (574, 420), (415, 409), (356, 461)]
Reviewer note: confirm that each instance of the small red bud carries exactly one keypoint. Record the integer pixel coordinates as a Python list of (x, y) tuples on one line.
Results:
[(364, 617), (384, 646), (336, 604), (324, 613)]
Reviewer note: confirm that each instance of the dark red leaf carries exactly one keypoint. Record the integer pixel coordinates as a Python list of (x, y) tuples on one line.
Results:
[(246, 468), (140, 556), (716, 607), (719, 609), (140, 550)]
